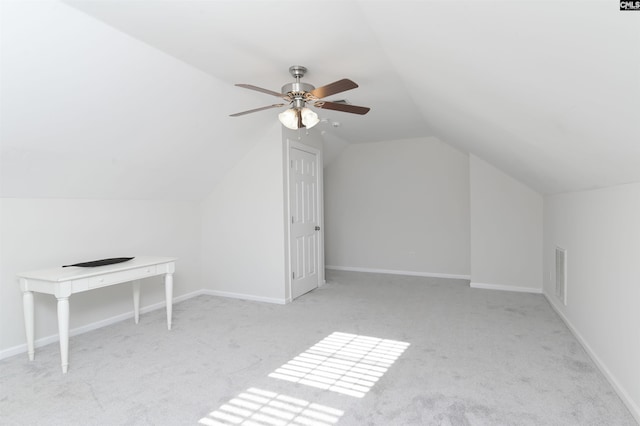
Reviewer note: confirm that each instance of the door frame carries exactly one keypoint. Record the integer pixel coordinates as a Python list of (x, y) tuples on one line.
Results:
[(293, 144)]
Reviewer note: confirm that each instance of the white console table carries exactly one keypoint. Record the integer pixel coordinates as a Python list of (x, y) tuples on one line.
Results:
[(63, 282)]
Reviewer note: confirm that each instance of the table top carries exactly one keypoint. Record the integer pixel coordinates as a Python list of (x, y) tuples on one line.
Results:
[(61, 274)]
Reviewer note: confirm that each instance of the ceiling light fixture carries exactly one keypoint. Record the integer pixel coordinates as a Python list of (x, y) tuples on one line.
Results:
[(295, 118), (309, 118), (298, 115), (297, 94)]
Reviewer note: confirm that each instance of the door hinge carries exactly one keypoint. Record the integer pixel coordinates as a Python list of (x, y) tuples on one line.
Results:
[(293, 275), (291, 219)]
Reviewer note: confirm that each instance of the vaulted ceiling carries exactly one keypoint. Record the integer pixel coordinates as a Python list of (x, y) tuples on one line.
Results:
[(547, 91)]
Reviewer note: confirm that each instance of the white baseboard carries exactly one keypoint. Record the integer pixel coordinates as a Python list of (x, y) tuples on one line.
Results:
[(622, 393), (506, 288), (398, 272), (15, 350), (243, 296)]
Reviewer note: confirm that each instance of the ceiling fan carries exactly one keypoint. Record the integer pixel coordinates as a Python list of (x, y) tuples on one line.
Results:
[(297, 94)]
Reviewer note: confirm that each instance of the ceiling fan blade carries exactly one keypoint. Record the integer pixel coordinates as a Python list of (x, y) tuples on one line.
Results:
[(333, 88), (260, 89), (354, 109), (237, 114)]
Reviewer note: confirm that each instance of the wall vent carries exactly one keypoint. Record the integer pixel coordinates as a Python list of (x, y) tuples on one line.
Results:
[(561, 275)]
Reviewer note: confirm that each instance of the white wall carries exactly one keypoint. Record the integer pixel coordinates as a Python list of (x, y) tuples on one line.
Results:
[(243, 222), (44, 233), (506, 230), (90, 112), (398, 205), (600, 229), (243, 225)]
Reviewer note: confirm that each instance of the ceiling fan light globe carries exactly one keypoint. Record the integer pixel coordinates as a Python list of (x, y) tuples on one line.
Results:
[(309, 118), (289, 119)]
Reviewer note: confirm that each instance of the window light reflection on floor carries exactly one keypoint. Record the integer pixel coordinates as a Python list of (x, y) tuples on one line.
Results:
[(343, 363), (257, 407)]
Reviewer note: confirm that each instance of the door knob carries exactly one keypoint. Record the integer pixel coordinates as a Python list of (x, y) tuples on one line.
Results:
[(317, 228)]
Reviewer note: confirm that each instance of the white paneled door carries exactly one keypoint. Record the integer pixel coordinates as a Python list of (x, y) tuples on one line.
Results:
[(305, 223)]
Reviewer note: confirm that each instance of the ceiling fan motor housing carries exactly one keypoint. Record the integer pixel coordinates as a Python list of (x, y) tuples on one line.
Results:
[(297, 91), (297, 87)]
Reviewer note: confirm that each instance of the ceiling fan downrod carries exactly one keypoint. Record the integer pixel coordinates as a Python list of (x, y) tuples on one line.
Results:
[(297, 91)]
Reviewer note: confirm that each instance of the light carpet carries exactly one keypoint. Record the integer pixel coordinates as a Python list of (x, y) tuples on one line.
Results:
[(365, 349)]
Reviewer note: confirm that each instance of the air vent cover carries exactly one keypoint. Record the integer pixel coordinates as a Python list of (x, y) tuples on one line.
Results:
[(561, 275)]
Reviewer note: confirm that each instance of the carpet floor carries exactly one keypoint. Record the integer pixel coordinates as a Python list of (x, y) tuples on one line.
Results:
[(365, 349)]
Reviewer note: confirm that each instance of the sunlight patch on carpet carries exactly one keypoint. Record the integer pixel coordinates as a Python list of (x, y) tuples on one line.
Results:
[(257, 407), (345, 363)]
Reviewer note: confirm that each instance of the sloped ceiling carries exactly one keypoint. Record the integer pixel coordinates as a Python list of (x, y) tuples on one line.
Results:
[(256, 42), (547, 91)]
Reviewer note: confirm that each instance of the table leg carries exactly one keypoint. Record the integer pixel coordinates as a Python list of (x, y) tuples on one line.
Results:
[(27, 305), (168, 289), (136, 300), (63, 331)]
